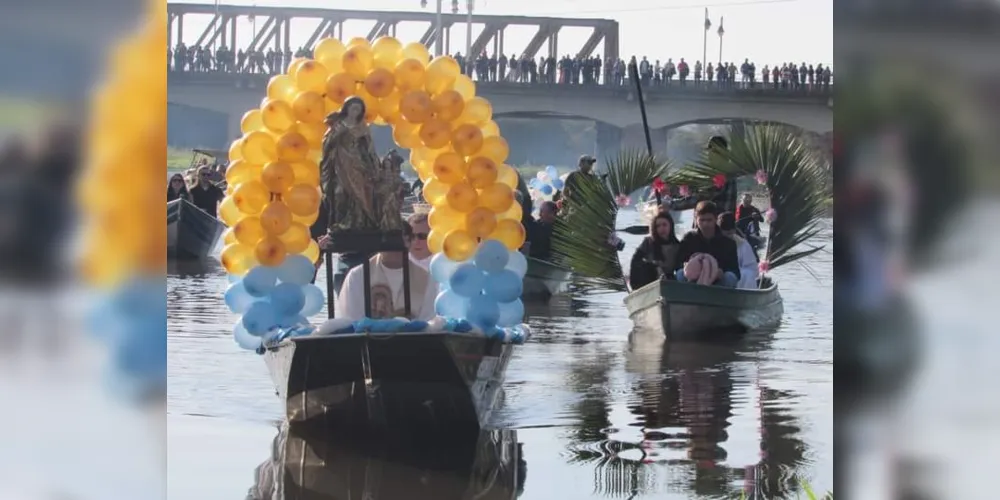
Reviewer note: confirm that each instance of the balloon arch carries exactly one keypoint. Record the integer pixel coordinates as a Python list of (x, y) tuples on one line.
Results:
[(457, 150)]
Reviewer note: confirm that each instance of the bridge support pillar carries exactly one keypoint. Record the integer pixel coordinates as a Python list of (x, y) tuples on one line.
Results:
[(609, 142)]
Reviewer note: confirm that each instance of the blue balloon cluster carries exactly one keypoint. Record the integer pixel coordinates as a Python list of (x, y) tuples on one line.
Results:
[(517, 334), (273, 301), (546, 184), (484, 290)]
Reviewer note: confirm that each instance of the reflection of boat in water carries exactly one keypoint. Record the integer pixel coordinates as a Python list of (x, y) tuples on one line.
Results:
[(545, 279), (191, 233), (310, 464)]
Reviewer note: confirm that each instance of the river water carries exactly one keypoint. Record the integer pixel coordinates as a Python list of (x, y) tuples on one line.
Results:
[(596, 415)]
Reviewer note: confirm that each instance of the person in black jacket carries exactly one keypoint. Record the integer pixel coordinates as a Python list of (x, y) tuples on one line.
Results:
[(709, 240), (657, 253)]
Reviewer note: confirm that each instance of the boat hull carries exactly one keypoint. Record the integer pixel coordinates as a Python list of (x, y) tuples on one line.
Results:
[(685, 311), (416, 382), (191, 233), (545, 279)]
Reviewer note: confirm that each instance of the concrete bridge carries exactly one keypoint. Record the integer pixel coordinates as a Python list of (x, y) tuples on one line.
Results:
[(615, 110)]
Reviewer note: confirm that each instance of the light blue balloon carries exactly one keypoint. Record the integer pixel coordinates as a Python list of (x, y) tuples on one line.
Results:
[(484, 312), (491, 256), (260, 318), (535, 182), (238, 299), (451, 305), (517, 263), (442, 268), (244, 339), (287, 299), (552, 171), (547, 189), (292, 320), (296, 269), (140, 297), (467, 281), (314, 300), (558, 184), (511, 314), (504, 286), (232, 278), (260, 280)]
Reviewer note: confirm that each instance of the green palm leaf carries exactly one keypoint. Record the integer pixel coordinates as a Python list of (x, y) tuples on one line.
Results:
[(794, 181), (580, 237)]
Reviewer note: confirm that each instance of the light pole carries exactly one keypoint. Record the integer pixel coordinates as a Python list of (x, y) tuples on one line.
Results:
[(721, 32), (704, 43), (469, 5)]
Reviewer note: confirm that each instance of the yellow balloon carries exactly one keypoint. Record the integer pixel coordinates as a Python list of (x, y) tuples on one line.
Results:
[(250, 197), (450, 168), (236, 150), (462, 197), (229, 214), (467, 139), (435, 240), (388, 51), (228, 237), (388, 107), (358, 41), (281, 88), (448, 105), (307, 220), (441, 73), (276, 217), (248, 230), (444, 218), (416, 106), (313, 132), (309, 106), (409, 74), (306, 172), (277, 177), (311, 76), (507, 176), (332, 106), (496, 197), (417, 52), (435, 133), (240, 171), (297, 238), (482, 172), (515, 212), (312, 251), (294, 66), (491, 129), (358, 60), (435, 192), (371, 103), (292, 146), (252, 120), (495, 148), (329, 48), (480, 222), (477, 111), (339, 87), (270, 251), (464, 86), (510, 233), (238, 258), (302, 199), (380, 82), (459, 245), (406, 135), (277, 115)]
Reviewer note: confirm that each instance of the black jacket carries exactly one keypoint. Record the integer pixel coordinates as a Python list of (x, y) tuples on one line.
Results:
[(720, 247)]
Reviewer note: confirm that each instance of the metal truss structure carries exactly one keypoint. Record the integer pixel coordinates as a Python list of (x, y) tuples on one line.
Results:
[(276, 28)]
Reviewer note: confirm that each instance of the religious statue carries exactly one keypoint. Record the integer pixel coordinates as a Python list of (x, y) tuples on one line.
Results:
[(391, 190)]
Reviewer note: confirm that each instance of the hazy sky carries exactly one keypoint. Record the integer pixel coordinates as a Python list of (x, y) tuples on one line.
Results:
[(766, 31)]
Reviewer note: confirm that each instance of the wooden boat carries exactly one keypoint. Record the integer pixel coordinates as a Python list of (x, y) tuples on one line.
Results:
[(191, 232), (545, 279), (686, 311), (419, 382)]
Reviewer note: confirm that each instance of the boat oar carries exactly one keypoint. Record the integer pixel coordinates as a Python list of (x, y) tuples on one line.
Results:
[(634, 230)]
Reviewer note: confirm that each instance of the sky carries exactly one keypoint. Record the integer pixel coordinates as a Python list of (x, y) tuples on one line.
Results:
[(765, 31)]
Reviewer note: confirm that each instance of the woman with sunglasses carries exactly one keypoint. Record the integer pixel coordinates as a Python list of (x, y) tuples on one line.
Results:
[(177, 189)]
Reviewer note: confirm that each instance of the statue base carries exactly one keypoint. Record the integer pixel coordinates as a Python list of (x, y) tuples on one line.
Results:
[(366, 241)]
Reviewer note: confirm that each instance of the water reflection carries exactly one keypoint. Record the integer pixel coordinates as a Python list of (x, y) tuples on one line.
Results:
[(310, 463)]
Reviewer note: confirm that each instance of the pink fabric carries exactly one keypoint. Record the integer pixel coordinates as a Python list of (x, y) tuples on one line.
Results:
[(701, 268)]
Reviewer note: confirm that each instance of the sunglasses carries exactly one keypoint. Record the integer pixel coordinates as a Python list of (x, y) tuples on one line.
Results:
[(420, 236)]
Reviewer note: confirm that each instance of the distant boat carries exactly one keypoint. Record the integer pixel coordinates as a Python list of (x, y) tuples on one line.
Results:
[(191, 232)]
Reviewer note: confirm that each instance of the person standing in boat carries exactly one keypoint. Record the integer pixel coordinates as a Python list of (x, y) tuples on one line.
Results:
[(572, 183), (204, 194), (706, 250), (657, 254), (748, 219), (177, 189), (539, 244), (745, 254), (386, 292)]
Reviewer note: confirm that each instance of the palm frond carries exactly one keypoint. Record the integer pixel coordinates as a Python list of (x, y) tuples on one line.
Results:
[(794, 182), (580, 237)]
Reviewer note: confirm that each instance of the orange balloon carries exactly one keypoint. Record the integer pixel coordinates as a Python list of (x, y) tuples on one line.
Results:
[(515, 212), (462, 197), (416, 106), (445, 217), (302, 199), (358, 60), (491, 129), (259, 147), (380, 82), (251, 197), (236, 149), (248, 231), (252, 120), (270, 251), (240, 171), (339, 87), (238, 258), (281, 88), (477, 111), (435, 134), (417, 51), (297, 238), (495, 148), (388, 51), (228, 237), (229, 213), (409, 74), (406, 135), (329, 48), (467, 139), (441, 73), (313, 132), (276, 217), (435, 240), (482, 172), (459, 245), (311, 76), (308, 220), (464, 86), (496, 197), (388, 107), (448, 105), (510, 233), (278, 176), (507, 175), (277, 115), (449, 168), (435, 192), (309, 107), (480, 222), (306, 172), (292, 146)]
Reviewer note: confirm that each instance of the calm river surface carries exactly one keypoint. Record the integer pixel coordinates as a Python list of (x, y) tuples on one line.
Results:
[(597, 416)]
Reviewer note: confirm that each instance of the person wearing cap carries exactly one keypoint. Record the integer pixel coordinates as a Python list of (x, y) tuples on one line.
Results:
[(585, 167)]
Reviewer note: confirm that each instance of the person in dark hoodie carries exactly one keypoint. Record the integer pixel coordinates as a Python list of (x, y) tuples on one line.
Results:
[(708, 239), (657, 254)]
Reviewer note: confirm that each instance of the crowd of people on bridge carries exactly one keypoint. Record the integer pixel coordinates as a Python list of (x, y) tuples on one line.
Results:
[(566, 70)]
